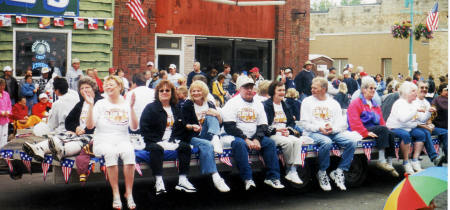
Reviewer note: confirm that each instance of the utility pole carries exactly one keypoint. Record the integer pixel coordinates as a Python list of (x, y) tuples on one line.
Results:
[(411, 14)]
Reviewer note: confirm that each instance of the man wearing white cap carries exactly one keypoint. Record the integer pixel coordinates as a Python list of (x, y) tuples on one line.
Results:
[(148, 73), (173, 76), (303, 80), (74, 74), (246, 120), (45, 78), (12, 87), (352, 85)]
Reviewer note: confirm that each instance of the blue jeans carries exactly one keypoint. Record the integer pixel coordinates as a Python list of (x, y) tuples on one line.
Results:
[(325, 144), (403, 135), (423, 135), (269, 152), (210, 127), (443, 137)]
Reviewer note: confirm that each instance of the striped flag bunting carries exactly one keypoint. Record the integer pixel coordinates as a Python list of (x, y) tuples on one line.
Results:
[(436, 145), (137, 167), (433, 18), (225, 157), (5, 20), (48, 159), (21, 20), (66, 166), (316, 149), (26, 160), (7, 155), (91, 167), (137, 12), (92, 24), (44, 22), (78, 23), (58, 22), (108, 24), (335, 150), (303, 155), (367, 147)]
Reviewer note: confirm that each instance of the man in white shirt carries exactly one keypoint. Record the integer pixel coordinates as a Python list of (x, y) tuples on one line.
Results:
[(74, 74), (173, 76), (148, 73), (144, 95), (322, 120), (246, 120)]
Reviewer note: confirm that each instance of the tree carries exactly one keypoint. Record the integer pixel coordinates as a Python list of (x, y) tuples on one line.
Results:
[(350, 2), (321, 5)]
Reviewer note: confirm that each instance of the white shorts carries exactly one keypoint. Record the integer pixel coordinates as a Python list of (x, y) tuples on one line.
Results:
[(111, 151)]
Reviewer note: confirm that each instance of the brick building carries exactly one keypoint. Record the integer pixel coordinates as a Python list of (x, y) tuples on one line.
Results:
[(182, 32)]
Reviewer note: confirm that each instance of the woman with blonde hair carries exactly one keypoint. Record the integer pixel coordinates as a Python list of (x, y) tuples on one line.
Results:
[(292, 102), (342, 97), (111, 117)]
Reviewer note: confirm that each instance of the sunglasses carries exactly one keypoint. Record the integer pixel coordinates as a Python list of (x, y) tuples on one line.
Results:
[(371, 88), (164, 90), (424, 88)]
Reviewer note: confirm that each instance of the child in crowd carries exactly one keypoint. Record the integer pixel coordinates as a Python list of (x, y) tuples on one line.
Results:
[(42, 108)]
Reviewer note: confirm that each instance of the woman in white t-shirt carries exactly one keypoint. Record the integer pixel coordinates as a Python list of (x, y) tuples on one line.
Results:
[(111, 117), (281, 127)]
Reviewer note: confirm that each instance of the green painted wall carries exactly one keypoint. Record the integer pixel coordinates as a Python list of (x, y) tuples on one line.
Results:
[(92, 47)]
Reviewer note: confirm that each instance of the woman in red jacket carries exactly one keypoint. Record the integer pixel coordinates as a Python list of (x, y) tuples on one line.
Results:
[(20, 115), (366, 118), (42, 107)]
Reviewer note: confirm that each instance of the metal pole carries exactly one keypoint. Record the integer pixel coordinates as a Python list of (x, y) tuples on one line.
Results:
[(410, 64)]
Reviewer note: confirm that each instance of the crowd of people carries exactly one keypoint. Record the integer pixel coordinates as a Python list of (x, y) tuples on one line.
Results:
[(171, 112)]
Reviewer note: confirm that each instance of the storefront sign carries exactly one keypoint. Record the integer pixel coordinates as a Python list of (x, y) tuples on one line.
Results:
[(67, 8)]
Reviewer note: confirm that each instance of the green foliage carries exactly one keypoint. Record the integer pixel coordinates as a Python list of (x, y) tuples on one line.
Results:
[(350, 2), (322, 5)]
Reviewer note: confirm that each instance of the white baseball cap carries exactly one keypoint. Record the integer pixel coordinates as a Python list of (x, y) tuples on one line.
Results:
[(172, 66), (243, 80), (43, 95), (7, 68), (346, 72), (45, 70), (150, 63)]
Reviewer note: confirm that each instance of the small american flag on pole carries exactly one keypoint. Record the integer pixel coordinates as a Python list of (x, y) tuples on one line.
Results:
[(436, 146), (137, 12), (225, 158), (7, 154), (66, 166), (335, 150), (26, 159), (397, 147), (46, 164), (303, 155), (367, 147), (433, 18), (138, 168)]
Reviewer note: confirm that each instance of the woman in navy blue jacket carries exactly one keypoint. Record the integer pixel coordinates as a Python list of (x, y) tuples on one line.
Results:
[(203, 123), (163, 128)]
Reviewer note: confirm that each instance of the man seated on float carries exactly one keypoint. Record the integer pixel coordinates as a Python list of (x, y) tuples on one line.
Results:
[(203, 122), (246, 120), (20, 115), (42, 108), (56, 120)]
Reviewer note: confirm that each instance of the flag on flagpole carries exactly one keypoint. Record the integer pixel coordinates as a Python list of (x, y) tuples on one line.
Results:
[(92, 23), (26, 159), (5, 20), (433, 18), (44, 22), (109, 24), (137, 12), (397, 148), (58, 22), (21, 20), (303, 155), (46, 164), (66, 166), (78, 23), (225, 158), (436, 146), (367, 147), (138, 168)]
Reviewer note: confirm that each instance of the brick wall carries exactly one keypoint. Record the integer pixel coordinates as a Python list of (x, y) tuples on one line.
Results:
[(133, 46), (291, 35)]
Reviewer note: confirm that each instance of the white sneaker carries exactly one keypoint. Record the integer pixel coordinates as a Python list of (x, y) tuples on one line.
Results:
[(338, 177), (293, 177), (221, 185), (159, 187), (34, 151), (249, 184), (56, 147), (408, 168), (186, 186), (217, 145), (275, 183), (324, 181), (416, 166)]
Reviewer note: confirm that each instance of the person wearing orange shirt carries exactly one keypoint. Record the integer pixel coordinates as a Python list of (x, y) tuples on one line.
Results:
[(42, 108)]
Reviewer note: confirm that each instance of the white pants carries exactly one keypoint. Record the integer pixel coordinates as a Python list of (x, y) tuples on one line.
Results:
[(111, 151), (291, 147), (3, 135)]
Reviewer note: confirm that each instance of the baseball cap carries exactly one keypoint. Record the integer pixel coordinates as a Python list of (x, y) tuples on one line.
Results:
[(43, 95), (150, 63), (45, 70), (363, 74), (254, 69), (7, 68), (346, 72), (287, 70), (243, 80), (75, 60), (172, 66), (111, 70)]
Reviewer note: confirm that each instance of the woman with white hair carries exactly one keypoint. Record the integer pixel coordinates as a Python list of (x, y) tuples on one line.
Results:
[(403, 121), (365, 117)]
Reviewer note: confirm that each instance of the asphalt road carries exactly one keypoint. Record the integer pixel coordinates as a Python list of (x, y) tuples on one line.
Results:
[(31, 192)]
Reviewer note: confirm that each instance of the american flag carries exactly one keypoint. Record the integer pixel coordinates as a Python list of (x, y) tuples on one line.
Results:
[(137, 12), (103, 167), (303, 155), (397, 147), (316, 149), (436, 146), (335, 150), (433, 18), (92, 23), (58, 22), (78, 23), (5, 20), (138, 168), (367, 147), (26, 159), (91, 167), (8, 154), (225, 157), (46, 164), (66, 166), (21, 20)]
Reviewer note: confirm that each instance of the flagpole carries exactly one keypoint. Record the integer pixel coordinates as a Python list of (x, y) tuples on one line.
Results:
[(410, 64)]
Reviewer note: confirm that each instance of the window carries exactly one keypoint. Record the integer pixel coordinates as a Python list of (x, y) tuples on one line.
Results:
[(168, 42), (339, 64), (386, 66)]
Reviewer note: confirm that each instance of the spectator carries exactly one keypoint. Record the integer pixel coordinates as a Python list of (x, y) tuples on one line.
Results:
[(227, 74), (173, 76), (282, 130), (352, 86), (342, 97), (332, 70), (126, 85), (348, 67), (42, 108), (431, 88), (12, 87), (321, 119), (163, 128), (20, 115), (217, 88), (441, 104), (331, 90), (74, 74), (91, 74), (303, 80), (111, 72), (203, 125), (148, 77), (196, 71), (182, 94), (181, 81), (246, 120), (389, 100), (29, 90), (155, 80), (61, 107), (5, 111), (263, 91), (54, 70), (416, 77), (43, 80), (256, 76), (292, 103), (144, 95), (365, 117), (286, 78), (381, 86), (111, 117), (232, 86)]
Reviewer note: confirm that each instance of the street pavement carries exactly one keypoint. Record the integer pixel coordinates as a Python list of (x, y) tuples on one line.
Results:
[(31, 192)]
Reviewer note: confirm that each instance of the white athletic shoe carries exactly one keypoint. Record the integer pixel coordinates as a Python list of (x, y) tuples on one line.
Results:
[(186, 186), (275, 183), (338, 177), (416, 166), (217, 145), (408, 168), (159, 187), (34, 151), (56, 147), (249, 184), (324, 181), (221, 185), (293, 177)]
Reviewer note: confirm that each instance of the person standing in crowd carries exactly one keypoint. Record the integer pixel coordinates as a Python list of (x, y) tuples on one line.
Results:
[(361, 73), (263, 91), (332, 70), (121, 74), (282, 130), (365, 117), (54, 70), (246, 120), (342, 97), (322, 120), (91, 74), (416, 77), (256, 76), (203, 125), (42, 108), (111, 72), (5, 111), (144, 95), (352, 85), (196, 71), (218, 90), (304, 79), (441, 118), (29, 90), (348, 67), (292, 103), (331, 90), (431, 88), (286, 78), (111, 117), (173, 76), (232, 85), (43, 80), (12, 87), (74, 74), (163, 128), (381, 86), (148, 74), (227, 75)]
